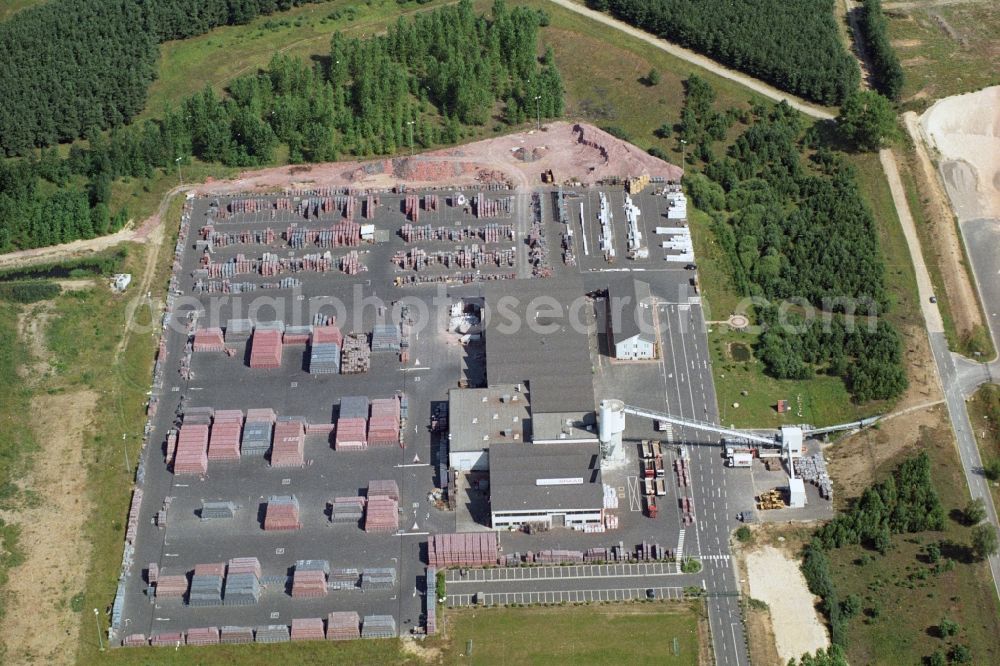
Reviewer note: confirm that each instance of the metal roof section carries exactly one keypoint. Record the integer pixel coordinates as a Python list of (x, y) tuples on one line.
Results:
[(543, 477)]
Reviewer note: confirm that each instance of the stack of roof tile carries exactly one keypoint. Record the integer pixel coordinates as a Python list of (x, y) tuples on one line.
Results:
[(209, 340), (168, 639), (171, 586), (378, 626), (381, 514), (289, 443), (385, 338), (265, 350), (224, 443), (206, 585), (343, 578), (308, 583), (242, 582), (378, 578), (430, 602), (296, 335), (324, 350), (272, 633), (282, 513), (198, 416), (238, 330), (256, 440), (308, 629), (343, 626), (135, 640), (352, 424), (203, 636), (217, 510), (386, 488), (470, 549), (192, 450), (236, 635), (346, 510), (383, 427)]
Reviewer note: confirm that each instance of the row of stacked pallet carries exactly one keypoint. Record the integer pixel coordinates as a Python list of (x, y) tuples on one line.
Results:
[(339, 626), (256, 441), (383, 427), (224, 443), (309, 578), (467, 549), (347, 510), (243, 576), (324, 349), (282, 513), (382, 508), (266, 347), (206, 585), (191, 456), (352, 424), (209, 340), (289, 443)]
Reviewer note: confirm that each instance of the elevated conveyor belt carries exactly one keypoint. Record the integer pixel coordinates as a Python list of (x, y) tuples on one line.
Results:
[(704, 426)]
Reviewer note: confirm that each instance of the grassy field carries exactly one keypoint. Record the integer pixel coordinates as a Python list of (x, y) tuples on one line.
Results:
[(946, 50), (608, 634), (905, 579), (10, 7)]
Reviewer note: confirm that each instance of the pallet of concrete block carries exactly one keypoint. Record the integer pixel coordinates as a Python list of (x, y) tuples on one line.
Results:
[(355, 359), (347, 510), (383, 426), (209, 340), (217, 510), (320, 428), (381, 514), (167, 639), (430, 602), (272, 633), (265, 349), (324, 358), (296, 335), (203, 636), (224, 442), (383, 488), (238, 330), (309, 578), (289, 442), (386, 338), (378, 578), (191, 456), (206, 585), (235, 635), (171, 587), (343, 626), (282, 513), (378, 626), (343, 578), (351, 434), (308, 629), (199, 416), (242, 582), (135, 640), (257, 431)]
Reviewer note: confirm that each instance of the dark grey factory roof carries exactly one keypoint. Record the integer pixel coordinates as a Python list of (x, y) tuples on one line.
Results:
[(634, 306), (515, 468), (555, 362), (471, 422)]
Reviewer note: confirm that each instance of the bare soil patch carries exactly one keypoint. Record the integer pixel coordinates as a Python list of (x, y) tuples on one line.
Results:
[(426, 654), (40, 623), (906, 43), (31, 324), (797, 626)]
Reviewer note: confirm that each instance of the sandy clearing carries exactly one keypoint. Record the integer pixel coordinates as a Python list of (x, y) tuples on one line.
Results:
[(775, 578), (56, 558), (958, 287), (965, 131), (906, 43)]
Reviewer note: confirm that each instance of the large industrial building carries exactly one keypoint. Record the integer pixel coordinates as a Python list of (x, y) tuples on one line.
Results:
[(552, 485), (632, 333), (483, 419)]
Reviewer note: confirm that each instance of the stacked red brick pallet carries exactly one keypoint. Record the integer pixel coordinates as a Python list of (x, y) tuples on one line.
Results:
[(383, 427), (308, 583), (288, 449), (192, 450), (296, 335), (227, 426), (265, 350), (169, 639), (343, 626), (203, 636), (473, 549), (209, 340), (171, 586), (327, 334), (308, 629), (135, 640), (384, 489), (282, 513), (381, 514)]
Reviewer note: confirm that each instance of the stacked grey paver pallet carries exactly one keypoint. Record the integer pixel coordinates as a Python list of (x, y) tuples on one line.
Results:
[(812, 469), (206, 585), (386, 338), (217, 510), (344, 578), (256, 440), (378, 579), (272, 633), (378, 626)]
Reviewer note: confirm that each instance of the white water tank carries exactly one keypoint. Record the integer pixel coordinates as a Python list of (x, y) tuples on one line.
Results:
[(611, 425)]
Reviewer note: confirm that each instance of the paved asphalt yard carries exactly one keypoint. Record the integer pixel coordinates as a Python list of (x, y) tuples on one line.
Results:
[(679, 383)]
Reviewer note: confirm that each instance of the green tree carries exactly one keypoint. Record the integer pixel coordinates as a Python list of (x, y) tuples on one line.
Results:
[(850, 606), (653, 77), (937, 659), (992, 469), (867, 120), (961, 654), (975, 511), (948, 627), (663, 131), (984, 540), (743, 534), (933, 551)]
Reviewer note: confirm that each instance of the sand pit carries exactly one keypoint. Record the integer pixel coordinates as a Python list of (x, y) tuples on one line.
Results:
[(965, 130), (775, 579), (575, 152)]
